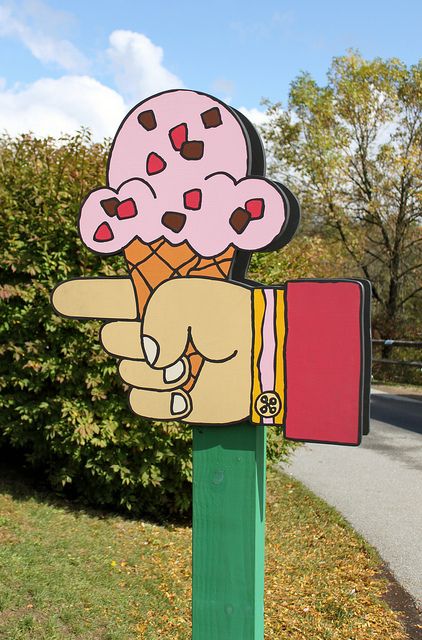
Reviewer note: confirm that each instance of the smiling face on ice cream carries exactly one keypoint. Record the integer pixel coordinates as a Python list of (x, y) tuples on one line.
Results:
[(178, 170)]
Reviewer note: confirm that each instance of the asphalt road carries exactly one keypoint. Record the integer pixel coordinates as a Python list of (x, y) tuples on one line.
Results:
[(377, 486)]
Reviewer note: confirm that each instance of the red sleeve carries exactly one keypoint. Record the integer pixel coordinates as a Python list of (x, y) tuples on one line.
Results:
[(327, 361)]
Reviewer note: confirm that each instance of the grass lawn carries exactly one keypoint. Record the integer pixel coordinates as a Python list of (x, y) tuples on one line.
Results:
[(69, 573)]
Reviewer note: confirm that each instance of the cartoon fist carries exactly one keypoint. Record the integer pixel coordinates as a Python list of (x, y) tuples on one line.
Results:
[(294, 355), (152, 359)]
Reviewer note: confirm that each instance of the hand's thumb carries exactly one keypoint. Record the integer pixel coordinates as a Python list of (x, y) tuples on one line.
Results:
[(213, 314)]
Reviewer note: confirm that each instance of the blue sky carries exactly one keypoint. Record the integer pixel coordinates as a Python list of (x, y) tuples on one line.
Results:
[(70, 63)]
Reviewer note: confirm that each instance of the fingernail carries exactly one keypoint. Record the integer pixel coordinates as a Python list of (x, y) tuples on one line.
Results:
[(150, 348), (175, 372), (178, 404)]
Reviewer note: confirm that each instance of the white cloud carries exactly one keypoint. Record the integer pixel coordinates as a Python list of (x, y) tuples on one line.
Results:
[(43, 46), (256, 116), (54, 106), (138, 65), (224, 89), (44, 16)]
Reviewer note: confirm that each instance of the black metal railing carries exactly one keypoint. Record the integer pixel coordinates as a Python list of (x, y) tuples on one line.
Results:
[(399, 343)]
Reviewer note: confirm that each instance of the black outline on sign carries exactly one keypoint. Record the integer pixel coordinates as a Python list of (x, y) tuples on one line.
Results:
[(238, 273)]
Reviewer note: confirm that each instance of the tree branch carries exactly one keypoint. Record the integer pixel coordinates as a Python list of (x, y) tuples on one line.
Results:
[(407, 246), (402, 302), (376, 257), (412, 268)]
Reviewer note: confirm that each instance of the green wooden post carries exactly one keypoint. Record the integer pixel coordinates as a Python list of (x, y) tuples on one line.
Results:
[(228, 532)]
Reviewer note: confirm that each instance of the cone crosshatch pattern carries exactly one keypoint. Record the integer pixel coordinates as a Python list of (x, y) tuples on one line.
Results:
[(152, 264)]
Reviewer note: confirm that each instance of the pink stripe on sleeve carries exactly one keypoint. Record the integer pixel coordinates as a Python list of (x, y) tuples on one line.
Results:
[(266, 362)]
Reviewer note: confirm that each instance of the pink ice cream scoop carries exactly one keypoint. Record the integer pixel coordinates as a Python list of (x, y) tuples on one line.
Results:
[(178, 170), (177, 138), (182, 199), (215, 214)]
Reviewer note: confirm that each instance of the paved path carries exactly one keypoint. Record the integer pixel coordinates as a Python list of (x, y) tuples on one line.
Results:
[(377, 486)]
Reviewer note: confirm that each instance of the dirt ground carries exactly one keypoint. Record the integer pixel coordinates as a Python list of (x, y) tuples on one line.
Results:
[(399, 389)]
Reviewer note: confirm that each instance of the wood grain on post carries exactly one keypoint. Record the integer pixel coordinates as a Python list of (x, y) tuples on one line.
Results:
[(228, 532)]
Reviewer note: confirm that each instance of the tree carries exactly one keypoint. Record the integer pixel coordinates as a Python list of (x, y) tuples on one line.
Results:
[(352, 151)]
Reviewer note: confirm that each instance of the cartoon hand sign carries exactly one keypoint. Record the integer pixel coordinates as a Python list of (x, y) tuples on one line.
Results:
[(187, 203), (153, 363), (292, 355)]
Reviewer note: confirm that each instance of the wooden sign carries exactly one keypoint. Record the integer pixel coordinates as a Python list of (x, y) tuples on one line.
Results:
[(187, 203)]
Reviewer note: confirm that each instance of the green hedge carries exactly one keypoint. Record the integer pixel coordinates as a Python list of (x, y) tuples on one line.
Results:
[(61, 401)]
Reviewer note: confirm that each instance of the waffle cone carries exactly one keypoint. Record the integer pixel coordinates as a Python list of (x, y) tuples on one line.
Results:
[(152, 264)]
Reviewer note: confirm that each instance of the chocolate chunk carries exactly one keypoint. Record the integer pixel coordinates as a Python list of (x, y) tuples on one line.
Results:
[(174, 221), (239, 219), (193, 150), (110, 206), (147, 120), (211, 118)]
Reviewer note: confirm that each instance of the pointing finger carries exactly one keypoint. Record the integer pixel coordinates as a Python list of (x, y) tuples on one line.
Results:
[(102, 298)]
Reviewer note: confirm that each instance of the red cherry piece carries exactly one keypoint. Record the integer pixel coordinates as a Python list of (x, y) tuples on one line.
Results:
[(103, 233), (126, 209), (178, 135), (255, 208), (155, 164), (192, 199)]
